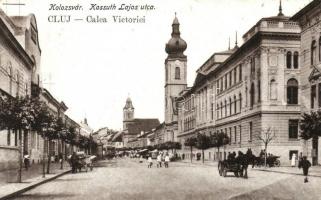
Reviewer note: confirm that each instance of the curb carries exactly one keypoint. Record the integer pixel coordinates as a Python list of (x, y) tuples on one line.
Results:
[(264, 170), (18, 192)]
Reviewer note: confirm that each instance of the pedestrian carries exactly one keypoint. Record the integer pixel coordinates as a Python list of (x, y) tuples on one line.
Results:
[(293, 160), (60, 160), (159, 160), (150, 162), (74, 160), (305, 164), (166, 160), (26, 160)]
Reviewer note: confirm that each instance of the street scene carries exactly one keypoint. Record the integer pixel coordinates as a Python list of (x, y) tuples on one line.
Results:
[(128, 179), (142, 100)]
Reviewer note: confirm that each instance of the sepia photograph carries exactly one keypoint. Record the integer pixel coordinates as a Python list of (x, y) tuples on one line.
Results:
[(160, 99)]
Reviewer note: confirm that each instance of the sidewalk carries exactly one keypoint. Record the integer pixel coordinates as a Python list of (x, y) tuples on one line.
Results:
[(30, 179)]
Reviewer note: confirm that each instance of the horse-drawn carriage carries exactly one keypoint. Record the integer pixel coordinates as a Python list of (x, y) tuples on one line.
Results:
[(84, 161), (271, 161), (229, 166)]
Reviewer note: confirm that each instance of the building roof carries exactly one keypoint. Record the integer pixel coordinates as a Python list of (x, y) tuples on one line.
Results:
[(306, 9), (138, 125)]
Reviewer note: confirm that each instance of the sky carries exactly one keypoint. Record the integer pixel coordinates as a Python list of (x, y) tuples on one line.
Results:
[(93, 68)]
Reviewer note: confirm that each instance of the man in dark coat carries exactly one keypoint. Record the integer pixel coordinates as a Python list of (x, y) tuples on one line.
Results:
[(305, 164), (74, 160)]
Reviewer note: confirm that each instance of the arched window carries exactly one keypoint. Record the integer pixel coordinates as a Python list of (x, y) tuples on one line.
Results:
[(252, 90), (289, 59), (235, 104), (313, 52), (177, 73), (273, 90), (296, 60), (292, 91)]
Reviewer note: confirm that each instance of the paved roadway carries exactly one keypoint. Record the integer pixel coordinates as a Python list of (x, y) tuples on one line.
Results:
[(128, 179)]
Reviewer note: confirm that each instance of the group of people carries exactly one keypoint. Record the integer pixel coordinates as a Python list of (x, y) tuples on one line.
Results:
[(161, 158)]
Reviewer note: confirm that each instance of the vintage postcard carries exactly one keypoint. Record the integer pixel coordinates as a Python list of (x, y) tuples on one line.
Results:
[(160, 99)]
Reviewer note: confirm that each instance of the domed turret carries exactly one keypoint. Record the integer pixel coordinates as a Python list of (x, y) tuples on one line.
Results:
[(176, 46)]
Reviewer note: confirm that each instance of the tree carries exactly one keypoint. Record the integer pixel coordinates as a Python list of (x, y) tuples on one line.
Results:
[(17, 114), (218, 140), (203, 142), (191, 142), (266, 137), (310, 128)]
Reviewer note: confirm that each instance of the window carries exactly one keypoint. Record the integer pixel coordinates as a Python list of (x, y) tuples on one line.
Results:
[(289, 59), (225, 87), (240, 133), (273, 90), (230, 78), (231, 106), (8, 137), (292, 91), (225, 107), (33, 34), (166, 73), (212, 111), (234, 71), (235, 103), (250, 131), (240, 72), (240, 101), (252, 66), (296, 60), (320, 48), (235, 134), (293, 128), (259, 91), (177, 73), (313, 95), (319, 100), (221, 109), (252, 90), (222, 86), (313, 52), (230, 135), (217, 111), (217, 87)]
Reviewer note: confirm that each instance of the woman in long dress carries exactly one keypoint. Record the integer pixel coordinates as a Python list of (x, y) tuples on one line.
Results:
[(293, 160)]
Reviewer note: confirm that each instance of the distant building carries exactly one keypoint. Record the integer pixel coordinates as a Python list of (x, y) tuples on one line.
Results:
[(133, 127)]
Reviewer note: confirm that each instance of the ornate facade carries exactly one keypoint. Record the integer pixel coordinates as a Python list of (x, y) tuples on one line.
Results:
[(246, 90)]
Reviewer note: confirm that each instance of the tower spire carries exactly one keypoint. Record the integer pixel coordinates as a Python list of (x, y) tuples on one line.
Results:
[(280, 9)]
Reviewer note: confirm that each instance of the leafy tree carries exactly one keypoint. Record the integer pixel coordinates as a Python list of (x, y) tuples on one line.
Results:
[(17, 114), (203, 142), (311, 125), (191, 142), (218, 140)]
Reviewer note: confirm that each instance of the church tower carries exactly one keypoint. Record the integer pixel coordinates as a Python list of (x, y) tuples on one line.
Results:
[(175, 72), (128, 113)]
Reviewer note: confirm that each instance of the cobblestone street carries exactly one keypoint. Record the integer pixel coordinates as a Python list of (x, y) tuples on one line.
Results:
[(128, 179)]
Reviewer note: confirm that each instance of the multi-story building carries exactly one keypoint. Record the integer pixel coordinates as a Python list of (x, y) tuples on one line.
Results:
[(309, 19), (246, 90), (19, 65)]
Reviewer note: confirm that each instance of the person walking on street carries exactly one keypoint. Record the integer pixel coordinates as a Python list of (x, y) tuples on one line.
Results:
[(159, 160), (74, 160), (305, 164), (150, 162), (166, 160), (26, 160)]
